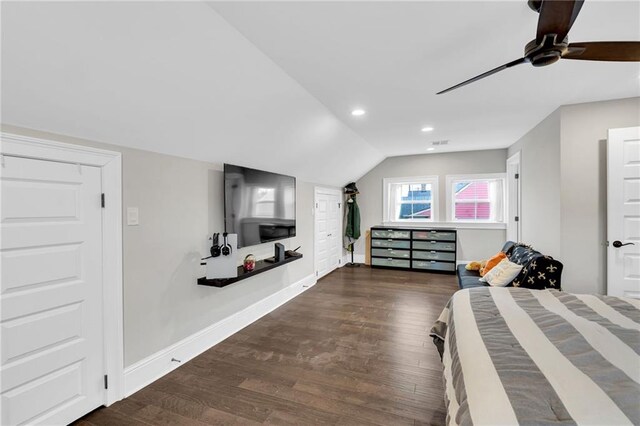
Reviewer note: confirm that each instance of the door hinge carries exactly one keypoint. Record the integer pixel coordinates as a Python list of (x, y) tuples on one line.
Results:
[(316, 205), (517, 218), (517, 176), (339, 205), (102, 199), (316, 273), (106, 381)]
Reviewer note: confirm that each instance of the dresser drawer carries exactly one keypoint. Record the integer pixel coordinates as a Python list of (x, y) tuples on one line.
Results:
[(433, 265), (434, 245), (390, 233), (400, 244), (434, 255), (389, 252), (434, 235), (396, 263)]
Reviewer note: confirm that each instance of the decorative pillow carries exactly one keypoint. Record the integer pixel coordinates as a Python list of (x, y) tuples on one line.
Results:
[(502, 274), (492, 262)]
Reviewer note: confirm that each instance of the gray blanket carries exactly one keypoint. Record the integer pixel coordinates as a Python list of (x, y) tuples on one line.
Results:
[(540, 357)]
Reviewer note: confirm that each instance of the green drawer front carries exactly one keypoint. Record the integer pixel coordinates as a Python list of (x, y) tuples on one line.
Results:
[(390, 233), (433, 245), (396, 263), (391, 244), (434, 255), (434, 235), (389, 252), (434, 265)]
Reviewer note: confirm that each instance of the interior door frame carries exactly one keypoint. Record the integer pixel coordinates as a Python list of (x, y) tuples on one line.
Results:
[(615, 194), (511, 222), (330, 191), (110, 163)]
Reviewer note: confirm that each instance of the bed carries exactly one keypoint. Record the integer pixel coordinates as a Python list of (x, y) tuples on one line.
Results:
[(539, 357)]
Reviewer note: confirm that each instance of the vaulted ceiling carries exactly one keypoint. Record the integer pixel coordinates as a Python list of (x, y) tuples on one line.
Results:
[(271, 84), (391, 58)]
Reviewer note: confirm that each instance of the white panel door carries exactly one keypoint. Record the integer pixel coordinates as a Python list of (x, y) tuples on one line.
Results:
[(623, 212), (51, 293), (327, 233)]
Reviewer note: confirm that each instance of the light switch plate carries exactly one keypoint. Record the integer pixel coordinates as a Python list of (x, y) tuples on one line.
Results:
[(132, 216)]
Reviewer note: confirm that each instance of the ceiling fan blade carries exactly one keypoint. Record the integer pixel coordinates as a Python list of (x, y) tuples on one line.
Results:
[(557, 17), (615, 51), (486, 74)]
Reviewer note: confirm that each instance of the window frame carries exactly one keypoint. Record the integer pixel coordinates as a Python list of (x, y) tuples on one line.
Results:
[(450, 203), (433, 180)]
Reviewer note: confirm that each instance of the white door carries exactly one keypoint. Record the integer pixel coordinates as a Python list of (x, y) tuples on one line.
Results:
[(51, 293), (327, 231), (623, 212), (513, 198)]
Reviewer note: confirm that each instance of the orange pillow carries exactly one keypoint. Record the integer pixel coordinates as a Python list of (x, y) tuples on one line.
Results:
[(492, 262)]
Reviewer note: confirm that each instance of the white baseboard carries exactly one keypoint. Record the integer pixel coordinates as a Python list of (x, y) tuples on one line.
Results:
[(150, 369), (357, 258)]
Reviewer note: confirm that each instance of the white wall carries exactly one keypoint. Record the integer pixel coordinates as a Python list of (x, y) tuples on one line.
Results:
[(181, 204), (472, 243), (540, 177), (564, 187)]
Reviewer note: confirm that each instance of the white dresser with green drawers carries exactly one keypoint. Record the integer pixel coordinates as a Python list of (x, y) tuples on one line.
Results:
[(419, 249)]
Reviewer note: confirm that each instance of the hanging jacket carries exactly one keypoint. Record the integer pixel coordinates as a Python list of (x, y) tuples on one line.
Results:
[(352, 230)]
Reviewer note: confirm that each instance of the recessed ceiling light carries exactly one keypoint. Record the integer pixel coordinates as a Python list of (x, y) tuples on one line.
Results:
[(427, 129), (358, 112), (431, 149)]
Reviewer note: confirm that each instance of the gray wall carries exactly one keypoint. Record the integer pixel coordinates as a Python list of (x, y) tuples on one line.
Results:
[(180, 204), (584, 188), (564, 187), (472, 243), (540, 177)]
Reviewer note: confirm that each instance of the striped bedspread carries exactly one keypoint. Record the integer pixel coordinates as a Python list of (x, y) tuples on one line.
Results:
[(540, 357)]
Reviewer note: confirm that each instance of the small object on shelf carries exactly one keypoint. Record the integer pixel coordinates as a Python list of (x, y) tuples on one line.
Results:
[(219, 265), (279, 252), (249, 263)]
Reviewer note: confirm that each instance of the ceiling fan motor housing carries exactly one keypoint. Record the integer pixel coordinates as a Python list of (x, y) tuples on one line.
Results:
[(547, 52)]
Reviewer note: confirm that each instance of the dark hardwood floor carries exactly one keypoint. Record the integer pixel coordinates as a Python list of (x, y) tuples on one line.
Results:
[(354, 349)]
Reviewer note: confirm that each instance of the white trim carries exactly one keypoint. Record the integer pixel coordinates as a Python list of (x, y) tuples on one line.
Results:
[(111, 165), (483, 176), (514, 159), (331, 191), (449, 225), (386, 205), (150, 369)]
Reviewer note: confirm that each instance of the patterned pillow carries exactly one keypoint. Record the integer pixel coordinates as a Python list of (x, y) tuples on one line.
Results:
[(538, 271)]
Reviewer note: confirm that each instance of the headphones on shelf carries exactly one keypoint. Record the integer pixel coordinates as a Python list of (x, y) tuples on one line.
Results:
[(215, 248), (226, 247)]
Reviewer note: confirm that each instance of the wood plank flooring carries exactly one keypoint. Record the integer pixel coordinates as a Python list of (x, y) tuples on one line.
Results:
[(352, 350)]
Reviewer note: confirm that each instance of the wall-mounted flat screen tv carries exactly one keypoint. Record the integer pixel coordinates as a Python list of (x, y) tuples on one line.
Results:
[(259, 206)]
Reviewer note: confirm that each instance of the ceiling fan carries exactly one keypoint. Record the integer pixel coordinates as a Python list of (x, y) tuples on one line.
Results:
[(551, 42)]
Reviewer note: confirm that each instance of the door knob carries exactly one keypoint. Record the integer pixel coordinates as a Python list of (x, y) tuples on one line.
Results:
[(618, 244)]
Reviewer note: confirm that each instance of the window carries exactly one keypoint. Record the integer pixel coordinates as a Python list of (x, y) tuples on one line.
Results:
[(265, 202), (411, 199), (476, 198)]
